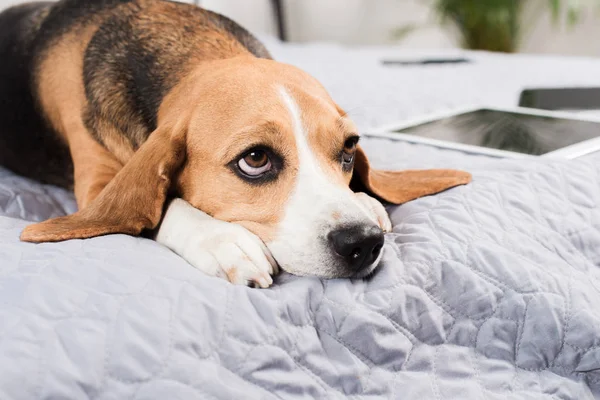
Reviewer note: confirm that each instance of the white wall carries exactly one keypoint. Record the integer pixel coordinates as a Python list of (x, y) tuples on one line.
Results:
[(582, 39), (364, 21), (7, 3)]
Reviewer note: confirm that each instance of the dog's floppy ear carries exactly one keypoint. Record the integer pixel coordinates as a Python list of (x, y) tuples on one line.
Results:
[(131, 202), (398, 187)]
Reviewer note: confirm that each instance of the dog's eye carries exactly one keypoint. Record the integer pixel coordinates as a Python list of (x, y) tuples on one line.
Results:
[(349, 151), (350, 144), (255, 163)]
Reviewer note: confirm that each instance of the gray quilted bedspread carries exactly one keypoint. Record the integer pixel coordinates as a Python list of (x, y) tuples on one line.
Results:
[(487, 291)]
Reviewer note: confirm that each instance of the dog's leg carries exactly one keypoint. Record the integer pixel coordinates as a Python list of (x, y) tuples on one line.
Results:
[(94, 167), (60, 89), (215, 247)]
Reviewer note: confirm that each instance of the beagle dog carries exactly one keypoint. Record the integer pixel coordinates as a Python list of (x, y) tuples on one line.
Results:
[(173, 121)]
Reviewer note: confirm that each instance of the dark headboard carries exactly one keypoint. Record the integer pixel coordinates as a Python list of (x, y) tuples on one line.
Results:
[(278, 10)]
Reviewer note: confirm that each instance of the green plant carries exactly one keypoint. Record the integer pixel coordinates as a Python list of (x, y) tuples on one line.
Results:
[(498, 25)]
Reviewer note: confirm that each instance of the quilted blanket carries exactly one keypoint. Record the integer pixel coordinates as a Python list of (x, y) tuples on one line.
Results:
[(490, 290)]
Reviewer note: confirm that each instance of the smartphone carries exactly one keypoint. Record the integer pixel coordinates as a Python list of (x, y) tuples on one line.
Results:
[(425, 61), (571, 99)]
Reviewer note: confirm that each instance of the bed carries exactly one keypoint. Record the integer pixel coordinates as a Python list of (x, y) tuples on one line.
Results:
[(489, 290)]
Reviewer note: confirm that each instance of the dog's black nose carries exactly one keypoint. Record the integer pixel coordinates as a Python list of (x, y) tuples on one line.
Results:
[(359, 245)]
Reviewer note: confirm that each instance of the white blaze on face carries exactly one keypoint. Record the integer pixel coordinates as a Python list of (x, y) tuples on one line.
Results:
[(300, 245)]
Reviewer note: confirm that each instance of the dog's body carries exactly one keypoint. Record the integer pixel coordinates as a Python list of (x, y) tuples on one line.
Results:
[(126, 101)]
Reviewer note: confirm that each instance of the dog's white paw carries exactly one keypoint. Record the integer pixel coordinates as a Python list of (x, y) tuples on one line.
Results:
[(215, 247), (231, 252), (376, 210)]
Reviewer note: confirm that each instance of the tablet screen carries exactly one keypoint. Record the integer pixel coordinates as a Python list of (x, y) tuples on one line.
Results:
[(522, 133)]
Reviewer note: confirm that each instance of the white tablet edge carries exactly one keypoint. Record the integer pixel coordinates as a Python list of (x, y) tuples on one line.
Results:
[(568, 152)]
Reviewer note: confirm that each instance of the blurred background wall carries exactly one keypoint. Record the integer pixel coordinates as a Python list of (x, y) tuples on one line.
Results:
[(373, 22)]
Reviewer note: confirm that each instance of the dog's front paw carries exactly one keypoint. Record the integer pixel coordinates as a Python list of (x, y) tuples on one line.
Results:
[(376, 210), (215, 247), (232, 252)]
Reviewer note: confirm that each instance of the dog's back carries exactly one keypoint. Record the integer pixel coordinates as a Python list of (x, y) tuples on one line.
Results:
[(128, 51)]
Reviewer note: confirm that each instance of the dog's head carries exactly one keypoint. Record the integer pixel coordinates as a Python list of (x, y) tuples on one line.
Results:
[(261, 144)]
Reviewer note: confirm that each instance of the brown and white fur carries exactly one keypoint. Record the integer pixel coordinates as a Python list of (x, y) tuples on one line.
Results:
[(132, 103)]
